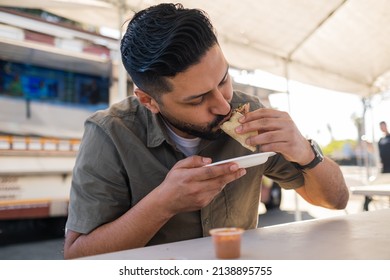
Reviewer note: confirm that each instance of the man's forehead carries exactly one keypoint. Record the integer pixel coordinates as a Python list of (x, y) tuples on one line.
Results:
[(199, 79)]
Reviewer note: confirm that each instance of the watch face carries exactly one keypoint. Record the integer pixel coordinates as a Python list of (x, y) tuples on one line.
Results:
[(317, 149)]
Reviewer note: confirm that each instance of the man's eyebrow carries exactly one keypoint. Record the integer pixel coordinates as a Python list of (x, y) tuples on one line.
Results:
[(192, 97)]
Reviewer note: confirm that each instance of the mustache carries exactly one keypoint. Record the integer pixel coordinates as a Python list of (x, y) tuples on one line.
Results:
[(220, 118)]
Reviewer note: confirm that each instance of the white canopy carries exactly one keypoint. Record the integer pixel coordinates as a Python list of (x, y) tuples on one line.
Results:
[(336, 44)]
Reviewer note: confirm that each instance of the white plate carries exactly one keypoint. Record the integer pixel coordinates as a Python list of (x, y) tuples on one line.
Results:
[(247, 161)]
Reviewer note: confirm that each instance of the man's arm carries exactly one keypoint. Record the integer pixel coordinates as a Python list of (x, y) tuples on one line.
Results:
[(133, 229), (325, 186)]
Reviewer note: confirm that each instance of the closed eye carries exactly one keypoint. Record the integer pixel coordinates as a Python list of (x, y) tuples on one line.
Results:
[(199, 100)]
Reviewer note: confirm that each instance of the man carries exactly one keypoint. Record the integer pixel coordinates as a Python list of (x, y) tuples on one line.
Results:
[(384, 154), (384, 147), (140, 176)]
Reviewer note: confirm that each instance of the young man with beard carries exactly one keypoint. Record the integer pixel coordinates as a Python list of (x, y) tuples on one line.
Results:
[(140, 176)]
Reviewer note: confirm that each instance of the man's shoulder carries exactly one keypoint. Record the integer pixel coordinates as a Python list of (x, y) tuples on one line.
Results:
[(385, 140), (123, 110)]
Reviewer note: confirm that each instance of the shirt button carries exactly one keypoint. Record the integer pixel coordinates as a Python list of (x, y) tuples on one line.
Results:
[(206, 221)]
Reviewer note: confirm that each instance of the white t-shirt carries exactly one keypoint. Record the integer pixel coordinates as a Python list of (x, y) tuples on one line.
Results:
[(189, 146)]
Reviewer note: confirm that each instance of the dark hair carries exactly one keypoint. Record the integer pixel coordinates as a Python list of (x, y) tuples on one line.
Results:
[(162, 41)]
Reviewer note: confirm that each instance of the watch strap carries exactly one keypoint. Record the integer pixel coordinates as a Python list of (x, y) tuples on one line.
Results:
[(318, 157)]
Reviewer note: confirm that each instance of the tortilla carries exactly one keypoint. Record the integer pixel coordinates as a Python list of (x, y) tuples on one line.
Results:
[(229, 126)]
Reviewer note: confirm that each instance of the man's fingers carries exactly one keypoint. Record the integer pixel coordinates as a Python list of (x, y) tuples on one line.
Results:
[(192, 162)]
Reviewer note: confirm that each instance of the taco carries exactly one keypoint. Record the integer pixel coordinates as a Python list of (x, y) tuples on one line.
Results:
[(229, 126)]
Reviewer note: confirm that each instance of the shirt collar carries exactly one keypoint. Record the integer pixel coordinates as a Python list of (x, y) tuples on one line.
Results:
[(157, 133)]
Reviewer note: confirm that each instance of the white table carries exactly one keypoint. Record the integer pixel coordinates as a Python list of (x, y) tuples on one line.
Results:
[(370, 190), (364, 235)]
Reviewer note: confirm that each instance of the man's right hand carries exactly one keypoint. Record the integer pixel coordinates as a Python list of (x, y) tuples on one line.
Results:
[(190, 185)]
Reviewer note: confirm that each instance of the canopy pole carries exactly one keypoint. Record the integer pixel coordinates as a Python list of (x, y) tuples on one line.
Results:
[(298, 213), (369, 160)]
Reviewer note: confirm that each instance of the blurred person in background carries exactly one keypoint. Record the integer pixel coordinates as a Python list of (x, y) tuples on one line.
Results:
[(384, 154), (384, 148)]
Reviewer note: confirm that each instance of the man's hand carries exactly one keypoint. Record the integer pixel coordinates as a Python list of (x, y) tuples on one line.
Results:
[(190, 185), (277, 133), (324, 185)]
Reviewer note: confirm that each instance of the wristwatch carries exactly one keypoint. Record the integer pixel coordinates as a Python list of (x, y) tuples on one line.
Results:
[(319, 157)]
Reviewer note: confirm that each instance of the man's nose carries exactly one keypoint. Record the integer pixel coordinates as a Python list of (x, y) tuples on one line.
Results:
[(221, 106)]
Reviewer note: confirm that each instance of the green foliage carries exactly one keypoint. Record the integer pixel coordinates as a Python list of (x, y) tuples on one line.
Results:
[(336, 146)]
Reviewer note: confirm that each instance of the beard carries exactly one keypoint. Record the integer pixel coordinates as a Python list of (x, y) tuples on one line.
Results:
[(208, 132)]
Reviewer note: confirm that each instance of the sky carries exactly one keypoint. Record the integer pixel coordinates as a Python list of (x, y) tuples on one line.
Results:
[(317, 111)]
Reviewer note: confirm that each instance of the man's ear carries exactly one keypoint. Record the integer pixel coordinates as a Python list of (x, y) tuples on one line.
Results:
[(148, 101)]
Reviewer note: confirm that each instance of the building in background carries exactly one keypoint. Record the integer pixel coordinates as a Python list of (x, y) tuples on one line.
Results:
[(53, 74)]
